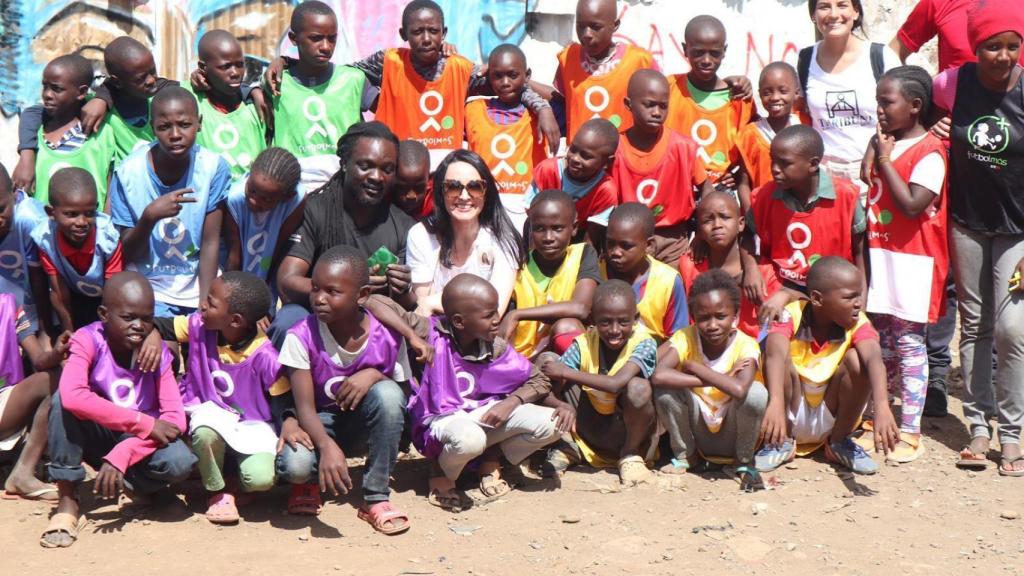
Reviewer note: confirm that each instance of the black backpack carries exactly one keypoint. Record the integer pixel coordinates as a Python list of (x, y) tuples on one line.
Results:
[(803, 65)]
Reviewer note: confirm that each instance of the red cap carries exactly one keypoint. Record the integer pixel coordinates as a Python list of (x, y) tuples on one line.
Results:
[(988, 18)]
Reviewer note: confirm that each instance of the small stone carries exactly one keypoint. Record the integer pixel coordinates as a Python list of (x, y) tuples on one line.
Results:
[(666, 556), (792, 466), (758, 508), (972, 474), (1009, 515), (790, 547), (569, 519), (535, 546), (337, 567), (303, 538), (146, 522), (37, 512)]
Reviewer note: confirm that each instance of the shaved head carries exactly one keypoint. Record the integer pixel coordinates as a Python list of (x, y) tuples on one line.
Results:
[(122, 51), (603, 9), (646, 80), (216, 41), (605, 131), (705, 27), (78, 66), (464, 290), (71, 183), (803, 139), (508, 50), (413, 153), (173, 94), (831, 272), (127, 287)]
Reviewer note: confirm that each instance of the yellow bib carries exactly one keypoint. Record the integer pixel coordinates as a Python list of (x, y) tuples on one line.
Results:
[(653, 307), (817, 368), (530, 333), (714, 404)]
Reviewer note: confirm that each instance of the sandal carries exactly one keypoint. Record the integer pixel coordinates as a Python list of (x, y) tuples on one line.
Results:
[(633, 470), (908, 449), (1006, 467), (750, 479), (46, 494), (675, 467), (450, 501), (65, 523), (493, 485), (221, 509), (305, 500), (969, 460), (380, 514)]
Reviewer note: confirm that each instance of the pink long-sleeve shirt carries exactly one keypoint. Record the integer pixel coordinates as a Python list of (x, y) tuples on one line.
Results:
[(78, 398)]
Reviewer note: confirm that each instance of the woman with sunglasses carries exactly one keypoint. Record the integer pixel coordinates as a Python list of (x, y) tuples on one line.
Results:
[(468, 231)]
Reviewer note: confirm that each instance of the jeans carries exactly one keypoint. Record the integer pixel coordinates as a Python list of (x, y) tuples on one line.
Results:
[(940, 334), (990, 316), (374, 427), (73, 441), (289, 315)]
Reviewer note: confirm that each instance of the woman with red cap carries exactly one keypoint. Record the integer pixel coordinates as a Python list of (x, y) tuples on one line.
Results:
[(986, 205)]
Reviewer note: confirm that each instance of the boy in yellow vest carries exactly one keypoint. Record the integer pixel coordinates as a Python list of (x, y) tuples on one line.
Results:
[(822, 359), (553, 291), (604, 375)]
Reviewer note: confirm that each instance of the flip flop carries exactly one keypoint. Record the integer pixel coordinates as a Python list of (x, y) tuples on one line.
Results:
[(221, 509), (35, 495), (1005, 463), (750, 479), (305, 500), (971, 461), (63, 522), (675, 468), (493, 485), (380, 513)]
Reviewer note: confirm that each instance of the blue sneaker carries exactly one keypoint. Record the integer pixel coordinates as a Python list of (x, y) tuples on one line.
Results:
[(851, 455), (771, 456)]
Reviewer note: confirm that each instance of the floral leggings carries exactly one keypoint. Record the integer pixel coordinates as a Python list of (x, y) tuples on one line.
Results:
[(905, 354)]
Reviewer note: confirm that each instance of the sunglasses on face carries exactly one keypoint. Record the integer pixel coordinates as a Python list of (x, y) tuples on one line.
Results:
[(476, 188)]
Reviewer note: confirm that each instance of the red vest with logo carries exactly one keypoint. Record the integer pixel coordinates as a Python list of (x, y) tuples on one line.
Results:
[(667, 189)]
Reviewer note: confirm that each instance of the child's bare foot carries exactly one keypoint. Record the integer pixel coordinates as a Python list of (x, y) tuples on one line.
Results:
[(492, 485), (28, 487)]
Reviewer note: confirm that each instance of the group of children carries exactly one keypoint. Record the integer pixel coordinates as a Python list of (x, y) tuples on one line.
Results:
[(691, 269)]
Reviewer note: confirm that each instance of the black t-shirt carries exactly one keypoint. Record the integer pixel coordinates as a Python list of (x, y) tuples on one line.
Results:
[(325, 224)]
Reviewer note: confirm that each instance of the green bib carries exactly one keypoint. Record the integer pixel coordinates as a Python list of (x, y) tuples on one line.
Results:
[(127, 137), (238, 136), (309, 121), (94, 156)]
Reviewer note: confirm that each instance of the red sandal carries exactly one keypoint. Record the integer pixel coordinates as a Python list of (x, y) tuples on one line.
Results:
[(305, 500), (380, 514)]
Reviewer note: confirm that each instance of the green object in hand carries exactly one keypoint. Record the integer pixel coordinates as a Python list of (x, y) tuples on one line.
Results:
[(380, 260)]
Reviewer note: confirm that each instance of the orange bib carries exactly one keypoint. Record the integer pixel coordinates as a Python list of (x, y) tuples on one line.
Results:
[(589, 97), (714, 131), (430, 112), (511, 151)]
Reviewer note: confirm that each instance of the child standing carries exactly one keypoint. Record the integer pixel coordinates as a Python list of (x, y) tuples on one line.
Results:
[(719, 226), (123, 421), (304, 123), (592, 74), (503, 132), (263, 210), (604, 376), (343, 364), (702, 105), (79, 248), (704, 387), (233, 371), (906, 239), (657, 287), (412, 191), (66, 82), (822, 360), (493, 413), (231, 126), (554, 289), (165, 199), (658, 167), (583, 175), (779, 89), (803, 215)]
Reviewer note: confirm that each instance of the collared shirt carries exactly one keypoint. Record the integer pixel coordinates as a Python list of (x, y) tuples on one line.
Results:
[(826, 190), (536, 387), (70, 140), (81, 258)]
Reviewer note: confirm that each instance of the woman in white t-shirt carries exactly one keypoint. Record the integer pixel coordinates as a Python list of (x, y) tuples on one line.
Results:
[(840, 86), (469, 231)]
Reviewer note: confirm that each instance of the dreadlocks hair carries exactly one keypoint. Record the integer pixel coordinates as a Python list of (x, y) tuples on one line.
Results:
[(279, 165), (248, 295)]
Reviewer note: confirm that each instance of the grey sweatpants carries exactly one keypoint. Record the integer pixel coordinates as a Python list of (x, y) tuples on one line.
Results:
[(989, 313), (679, 413)]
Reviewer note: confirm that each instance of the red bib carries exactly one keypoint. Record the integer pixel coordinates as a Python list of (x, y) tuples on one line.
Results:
[(667, 189)]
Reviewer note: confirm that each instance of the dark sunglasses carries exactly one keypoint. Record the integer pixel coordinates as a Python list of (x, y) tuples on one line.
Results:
[(476, 188)]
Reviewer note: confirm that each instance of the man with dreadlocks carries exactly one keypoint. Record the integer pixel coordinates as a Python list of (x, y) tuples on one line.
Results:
[(353, 208)]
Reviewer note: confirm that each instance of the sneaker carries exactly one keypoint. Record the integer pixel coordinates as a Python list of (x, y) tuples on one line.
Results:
[(934, 403), (771, 456), (852, 456)]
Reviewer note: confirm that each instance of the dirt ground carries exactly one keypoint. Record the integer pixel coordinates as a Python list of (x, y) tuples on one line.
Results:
[(923, 518)]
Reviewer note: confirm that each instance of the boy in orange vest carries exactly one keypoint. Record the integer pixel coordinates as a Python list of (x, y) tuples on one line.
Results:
[(705, 107), (658, 167), (593, 74), (501, 130), (420, 91), (804, 215)]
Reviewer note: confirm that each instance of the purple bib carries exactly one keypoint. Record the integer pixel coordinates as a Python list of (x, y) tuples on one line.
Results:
[(130, 389), (451, 384), (240, 388), (11, 371), (380, 352)]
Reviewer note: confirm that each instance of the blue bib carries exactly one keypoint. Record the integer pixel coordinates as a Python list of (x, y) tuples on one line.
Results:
[(258, 231), (90, 283), (18, 252)]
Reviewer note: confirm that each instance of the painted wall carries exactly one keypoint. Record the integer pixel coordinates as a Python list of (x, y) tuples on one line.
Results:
[(32, 32)]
